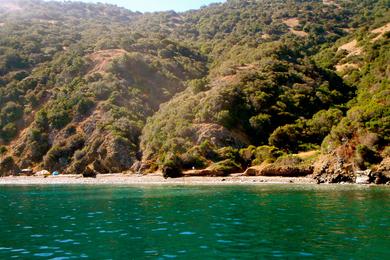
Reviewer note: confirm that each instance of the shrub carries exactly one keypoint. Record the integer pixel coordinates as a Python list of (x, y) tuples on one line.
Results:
[(225, 167), (172, 166), (8, 132), (7, 166), (266, 154), (198, 85), (84, 106), (193, 159), (365, 156)]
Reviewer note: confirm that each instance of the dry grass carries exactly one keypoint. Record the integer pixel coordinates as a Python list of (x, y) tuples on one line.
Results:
[(346, 67), (308, 155)]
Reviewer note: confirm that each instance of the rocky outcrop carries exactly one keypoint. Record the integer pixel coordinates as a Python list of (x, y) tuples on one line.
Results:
[(254, 171), (272, 170), (381, 174), (331, 169), (219, 136)]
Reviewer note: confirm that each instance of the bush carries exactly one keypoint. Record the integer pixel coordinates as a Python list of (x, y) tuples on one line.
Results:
[(8, 132), (225, 167), (8, 166), (193, 159), (266, 154), (198, 85), (59, 118), (84, 106), (365, 156), (172, 167), (3, 150)]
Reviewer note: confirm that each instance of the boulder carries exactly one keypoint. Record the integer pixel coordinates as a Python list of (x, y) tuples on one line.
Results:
[(253, 171), (363, 179), (42, 173)]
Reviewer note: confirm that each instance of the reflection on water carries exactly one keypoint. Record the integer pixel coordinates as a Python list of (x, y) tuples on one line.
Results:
[(205, 221)]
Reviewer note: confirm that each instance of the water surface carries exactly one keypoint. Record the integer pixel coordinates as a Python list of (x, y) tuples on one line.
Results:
[(199, 222)]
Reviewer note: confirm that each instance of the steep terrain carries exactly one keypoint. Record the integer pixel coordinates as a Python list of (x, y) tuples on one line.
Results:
[(228, 86)]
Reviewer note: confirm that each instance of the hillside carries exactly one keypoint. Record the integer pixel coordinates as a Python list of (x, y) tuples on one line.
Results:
[(228, 86)]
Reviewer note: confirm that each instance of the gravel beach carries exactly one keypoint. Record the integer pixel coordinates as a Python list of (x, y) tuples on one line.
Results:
[(152, 179)]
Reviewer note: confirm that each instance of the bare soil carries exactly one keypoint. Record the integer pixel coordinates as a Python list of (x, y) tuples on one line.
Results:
[(101, 59)]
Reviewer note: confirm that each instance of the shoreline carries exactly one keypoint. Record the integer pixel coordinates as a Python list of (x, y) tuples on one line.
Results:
[(152, 179)]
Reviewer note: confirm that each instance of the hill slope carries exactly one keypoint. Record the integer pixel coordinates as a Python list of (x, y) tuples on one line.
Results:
[(230, 85)]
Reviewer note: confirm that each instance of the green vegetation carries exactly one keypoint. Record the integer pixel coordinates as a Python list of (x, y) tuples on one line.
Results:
[(226, 87)]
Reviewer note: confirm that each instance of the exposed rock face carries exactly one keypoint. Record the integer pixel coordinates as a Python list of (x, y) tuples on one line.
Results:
[(330, 169), (219, 136), (254, 171), (135, 168), (116, 154), (381, 175)]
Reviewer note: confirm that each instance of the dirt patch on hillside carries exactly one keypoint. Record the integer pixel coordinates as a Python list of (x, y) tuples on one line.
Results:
[(101, 59), (352, 48), (381, 32), (226, 80), (299, 33), (331, 2), (293, 22), (219, 135)]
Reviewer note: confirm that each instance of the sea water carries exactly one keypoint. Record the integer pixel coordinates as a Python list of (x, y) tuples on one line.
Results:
[(194, 222)]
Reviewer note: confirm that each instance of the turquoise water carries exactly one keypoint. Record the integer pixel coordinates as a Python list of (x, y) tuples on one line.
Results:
[(199, 222)]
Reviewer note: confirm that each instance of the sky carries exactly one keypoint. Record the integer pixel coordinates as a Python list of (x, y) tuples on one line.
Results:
[(157, 5)]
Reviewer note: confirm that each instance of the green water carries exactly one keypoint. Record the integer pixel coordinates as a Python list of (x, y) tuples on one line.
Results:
[(200, 222)]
